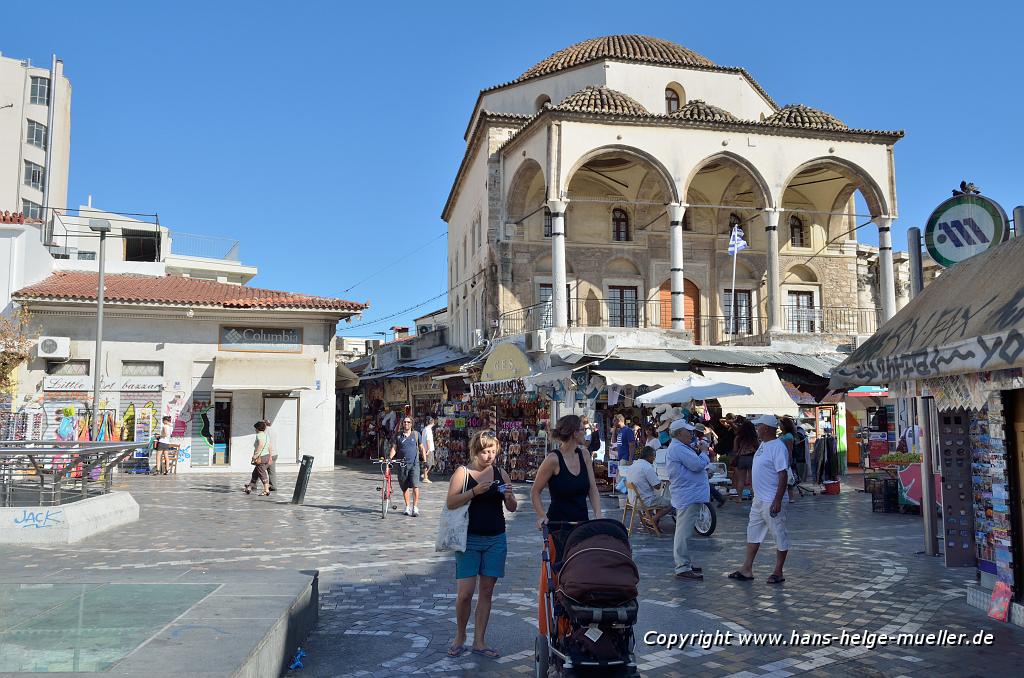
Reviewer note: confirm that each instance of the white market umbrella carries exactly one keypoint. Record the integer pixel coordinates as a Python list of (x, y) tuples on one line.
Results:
[(692, 387)]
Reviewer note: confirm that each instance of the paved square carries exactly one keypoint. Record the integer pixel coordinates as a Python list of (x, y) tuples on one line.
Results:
[(386, 596)]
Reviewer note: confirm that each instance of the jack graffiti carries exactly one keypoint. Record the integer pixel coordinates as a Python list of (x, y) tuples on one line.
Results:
[(39, 519)]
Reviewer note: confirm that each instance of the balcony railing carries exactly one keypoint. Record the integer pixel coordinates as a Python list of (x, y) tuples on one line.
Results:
[(204, 246), (707, 330), (847, 321)]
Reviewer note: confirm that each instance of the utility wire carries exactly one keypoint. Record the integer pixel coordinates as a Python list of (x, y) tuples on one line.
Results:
[(395, 262), (422, 303)]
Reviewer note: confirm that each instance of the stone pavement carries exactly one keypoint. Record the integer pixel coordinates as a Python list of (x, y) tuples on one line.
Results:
[(386, 596)]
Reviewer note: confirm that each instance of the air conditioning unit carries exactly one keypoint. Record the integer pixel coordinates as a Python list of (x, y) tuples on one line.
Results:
[(598, 344), (405, 353), (478, 337), (536, 341), (860, 339), (57, 348)]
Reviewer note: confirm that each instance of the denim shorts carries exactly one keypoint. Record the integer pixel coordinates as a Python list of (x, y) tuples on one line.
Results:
[(483, 555)]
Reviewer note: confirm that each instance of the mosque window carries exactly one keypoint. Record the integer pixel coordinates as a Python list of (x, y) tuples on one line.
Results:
[(671, 100), (620, 226), (797, 232)]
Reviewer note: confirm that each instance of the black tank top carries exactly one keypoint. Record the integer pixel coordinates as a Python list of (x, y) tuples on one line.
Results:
[(569, 492), (486, 513)]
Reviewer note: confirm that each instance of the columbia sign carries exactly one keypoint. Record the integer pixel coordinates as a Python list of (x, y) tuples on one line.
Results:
[(963, 226), (261, 339)]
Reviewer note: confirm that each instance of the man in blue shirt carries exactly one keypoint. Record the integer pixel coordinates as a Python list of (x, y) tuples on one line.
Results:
[(688, 481), (625, 439), (408, 444)]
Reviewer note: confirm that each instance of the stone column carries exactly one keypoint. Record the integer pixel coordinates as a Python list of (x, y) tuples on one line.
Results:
[(676, 213), (886, 276), (559, 301), (774, 276)]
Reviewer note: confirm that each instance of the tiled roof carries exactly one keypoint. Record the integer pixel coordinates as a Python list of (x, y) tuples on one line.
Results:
[(798, 115), (640, 48), (175, 291), (601, 100), (702, 111)]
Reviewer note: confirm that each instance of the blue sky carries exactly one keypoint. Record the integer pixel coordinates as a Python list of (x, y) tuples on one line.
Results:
[(325, 136)]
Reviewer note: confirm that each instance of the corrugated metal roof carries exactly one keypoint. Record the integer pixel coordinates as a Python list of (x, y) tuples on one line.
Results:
[(820, 364)]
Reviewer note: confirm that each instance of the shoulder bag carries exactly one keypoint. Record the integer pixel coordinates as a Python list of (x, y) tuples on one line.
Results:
[(453, 527)]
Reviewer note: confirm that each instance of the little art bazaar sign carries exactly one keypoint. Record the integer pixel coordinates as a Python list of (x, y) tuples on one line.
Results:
[(85, 384)]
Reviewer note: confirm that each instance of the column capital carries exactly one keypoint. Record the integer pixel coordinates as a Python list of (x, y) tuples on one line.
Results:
[(676, 211), (772, 215), (558, 206), (884, 221)]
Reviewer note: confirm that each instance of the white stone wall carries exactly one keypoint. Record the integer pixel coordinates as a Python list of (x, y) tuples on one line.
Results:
[(187, 348)]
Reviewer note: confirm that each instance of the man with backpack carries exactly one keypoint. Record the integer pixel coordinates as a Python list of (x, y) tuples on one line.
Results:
[(409, 444)]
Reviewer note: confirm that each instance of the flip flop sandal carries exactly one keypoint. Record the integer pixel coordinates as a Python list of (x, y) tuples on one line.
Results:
[(454, 651), (489, 652), (739, 575), (775, 579)]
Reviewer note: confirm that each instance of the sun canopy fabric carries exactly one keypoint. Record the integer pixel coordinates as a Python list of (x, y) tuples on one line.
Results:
[(650, 378), (969, 319), (693, 387), (769, 396), (264, 374)]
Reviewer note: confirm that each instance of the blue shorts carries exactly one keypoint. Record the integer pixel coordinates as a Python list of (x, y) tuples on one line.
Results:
[(483, 555)]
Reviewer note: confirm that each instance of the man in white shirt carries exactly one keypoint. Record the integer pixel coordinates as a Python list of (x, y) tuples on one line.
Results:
[(688, 481), (428, 446), (768, 510), (648, 485), (272, 466)]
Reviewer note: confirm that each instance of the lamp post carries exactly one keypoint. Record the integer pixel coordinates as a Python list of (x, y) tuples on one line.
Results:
[(101, 226), (383, 334)]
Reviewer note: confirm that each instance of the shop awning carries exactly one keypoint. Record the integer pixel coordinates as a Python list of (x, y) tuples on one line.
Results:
[(969, 319), (263, 374), (344, 377), (548, 377), (650, 378), (770, 396)]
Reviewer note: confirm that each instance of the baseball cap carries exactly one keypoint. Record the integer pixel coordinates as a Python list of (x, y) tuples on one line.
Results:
[(678, 424), (765, 420)]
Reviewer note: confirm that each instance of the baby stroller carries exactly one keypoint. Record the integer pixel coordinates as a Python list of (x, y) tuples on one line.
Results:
[(587, 603)]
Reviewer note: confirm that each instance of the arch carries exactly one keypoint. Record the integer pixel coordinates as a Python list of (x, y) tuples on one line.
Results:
[(539, 103), (800, 273), (759, 182), (674, 92), (638, 154), (622, 267), (516, 204), (860, 179), (543, 265)]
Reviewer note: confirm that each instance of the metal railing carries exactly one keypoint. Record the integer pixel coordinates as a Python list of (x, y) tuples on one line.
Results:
[(204, 246), (52, 473), (847, 321)]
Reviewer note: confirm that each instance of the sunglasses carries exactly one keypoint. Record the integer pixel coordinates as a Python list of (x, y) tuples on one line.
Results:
[(489, 434)]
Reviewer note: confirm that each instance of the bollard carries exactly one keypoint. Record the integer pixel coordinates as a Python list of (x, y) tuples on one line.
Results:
[(305, 469)]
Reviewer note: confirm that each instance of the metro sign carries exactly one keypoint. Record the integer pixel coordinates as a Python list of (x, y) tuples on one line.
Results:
[(963, 226)]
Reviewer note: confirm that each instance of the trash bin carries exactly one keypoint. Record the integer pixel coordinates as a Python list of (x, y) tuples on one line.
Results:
[(305, 469)]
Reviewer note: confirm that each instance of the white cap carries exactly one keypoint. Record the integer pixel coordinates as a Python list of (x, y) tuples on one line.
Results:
[(678, 424), (766, 420)]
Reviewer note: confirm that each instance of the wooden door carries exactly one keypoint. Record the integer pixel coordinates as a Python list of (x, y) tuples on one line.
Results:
[(691, 307)]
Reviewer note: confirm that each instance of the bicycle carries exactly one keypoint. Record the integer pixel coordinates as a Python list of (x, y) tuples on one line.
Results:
[(385, 487)]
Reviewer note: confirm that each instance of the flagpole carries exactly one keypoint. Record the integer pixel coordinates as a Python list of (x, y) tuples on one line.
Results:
[(732, 293)]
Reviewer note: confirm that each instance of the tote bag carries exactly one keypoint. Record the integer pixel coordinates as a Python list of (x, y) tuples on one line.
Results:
[(454, 525)]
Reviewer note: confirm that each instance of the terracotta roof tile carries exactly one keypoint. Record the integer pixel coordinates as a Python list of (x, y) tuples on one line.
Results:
[(798, 115), (175, 291), (601, 100), (700, 110), (626, 47)]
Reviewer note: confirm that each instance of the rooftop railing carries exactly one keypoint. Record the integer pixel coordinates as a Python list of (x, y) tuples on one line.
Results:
[(204, 246)]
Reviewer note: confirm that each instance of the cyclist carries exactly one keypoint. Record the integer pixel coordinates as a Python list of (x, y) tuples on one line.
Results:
[(410, 445)]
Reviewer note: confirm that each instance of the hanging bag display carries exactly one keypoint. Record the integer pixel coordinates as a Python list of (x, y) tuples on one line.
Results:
[(454, 525)]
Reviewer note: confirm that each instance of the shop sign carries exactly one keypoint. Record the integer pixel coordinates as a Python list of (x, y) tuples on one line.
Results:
[(85, 383), (424, 386), (482, 389), (261, 339), (394, 391), (505, 362), (963, 226)]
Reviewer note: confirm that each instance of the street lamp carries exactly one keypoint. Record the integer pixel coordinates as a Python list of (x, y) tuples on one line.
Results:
[(383, 334), (101, 226)]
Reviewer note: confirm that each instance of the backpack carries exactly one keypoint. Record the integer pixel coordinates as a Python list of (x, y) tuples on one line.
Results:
[(595, 440), (799, 445)]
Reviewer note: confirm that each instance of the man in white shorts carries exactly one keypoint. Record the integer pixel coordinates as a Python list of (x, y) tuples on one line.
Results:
[(768, 510)]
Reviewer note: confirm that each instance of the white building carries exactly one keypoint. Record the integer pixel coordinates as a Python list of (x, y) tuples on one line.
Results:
[(35, 137), (215, 357), (599, 188)]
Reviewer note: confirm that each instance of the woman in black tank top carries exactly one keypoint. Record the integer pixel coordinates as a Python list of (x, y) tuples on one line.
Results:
[(568, 474)]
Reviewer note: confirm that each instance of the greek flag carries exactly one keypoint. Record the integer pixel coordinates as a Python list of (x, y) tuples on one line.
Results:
[(736, 241)]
